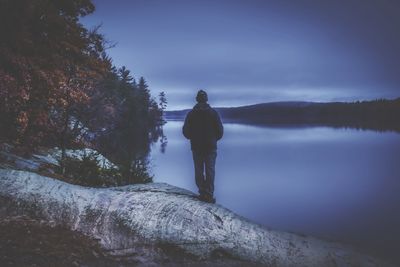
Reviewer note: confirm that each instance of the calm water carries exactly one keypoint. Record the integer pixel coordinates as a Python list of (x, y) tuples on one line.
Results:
[(339, 184)]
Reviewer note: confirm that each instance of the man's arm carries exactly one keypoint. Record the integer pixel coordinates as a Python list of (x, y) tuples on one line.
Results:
[(218, 126), (186, 130)]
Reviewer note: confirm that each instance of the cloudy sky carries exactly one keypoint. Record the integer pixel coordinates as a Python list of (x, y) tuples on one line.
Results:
[(252, 51)]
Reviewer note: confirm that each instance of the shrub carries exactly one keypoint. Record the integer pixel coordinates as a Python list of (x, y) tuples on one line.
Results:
[(88, 171)]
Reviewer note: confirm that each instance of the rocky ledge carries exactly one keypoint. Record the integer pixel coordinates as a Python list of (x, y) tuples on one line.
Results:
[(137, 220)]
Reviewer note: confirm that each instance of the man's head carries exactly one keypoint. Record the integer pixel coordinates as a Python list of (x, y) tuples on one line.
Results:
[(202, 96)]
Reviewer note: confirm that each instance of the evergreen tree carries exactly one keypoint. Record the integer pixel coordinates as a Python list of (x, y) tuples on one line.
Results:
[(163, 101), (58, 87)]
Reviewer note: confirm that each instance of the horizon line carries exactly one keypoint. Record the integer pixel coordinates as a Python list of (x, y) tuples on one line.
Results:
[(293, 101)]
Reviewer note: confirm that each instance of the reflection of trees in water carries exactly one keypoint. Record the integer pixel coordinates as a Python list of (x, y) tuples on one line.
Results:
[(163, 144), (159, 136), (130, 151)]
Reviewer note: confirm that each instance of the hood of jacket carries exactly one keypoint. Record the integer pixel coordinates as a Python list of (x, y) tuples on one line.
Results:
[(201, 107)]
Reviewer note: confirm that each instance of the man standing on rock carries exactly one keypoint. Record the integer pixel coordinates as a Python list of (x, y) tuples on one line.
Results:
[(203, 127)]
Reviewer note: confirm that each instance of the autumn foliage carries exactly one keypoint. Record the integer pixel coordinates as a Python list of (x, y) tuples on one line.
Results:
[(58, 87), (49, 65)]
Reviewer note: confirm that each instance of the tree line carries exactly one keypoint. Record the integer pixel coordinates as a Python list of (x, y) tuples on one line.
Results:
[(379, 114), (58, 86)]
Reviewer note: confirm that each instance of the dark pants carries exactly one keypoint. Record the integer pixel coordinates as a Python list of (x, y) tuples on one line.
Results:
[(204, 169)]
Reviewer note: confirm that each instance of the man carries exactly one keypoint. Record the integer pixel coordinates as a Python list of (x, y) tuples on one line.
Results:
[(203, 127)]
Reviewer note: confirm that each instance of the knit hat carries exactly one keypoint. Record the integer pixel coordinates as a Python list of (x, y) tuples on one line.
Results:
[(201, 96)]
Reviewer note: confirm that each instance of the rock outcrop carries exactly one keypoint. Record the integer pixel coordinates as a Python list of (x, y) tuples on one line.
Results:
[(48, 159), (139, 219)]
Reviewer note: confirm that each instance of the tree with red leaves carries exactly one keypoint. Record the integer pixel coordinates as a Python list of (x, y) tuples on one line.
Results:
[(49, 66)]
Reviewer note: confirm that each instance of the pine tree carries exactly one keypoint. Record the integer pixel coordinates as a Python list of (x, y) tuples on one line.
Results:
[(163, 101)]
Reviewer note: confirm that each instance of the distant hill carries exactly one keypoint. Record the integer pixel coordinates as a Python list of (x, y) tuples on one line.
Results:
[(382, 114)]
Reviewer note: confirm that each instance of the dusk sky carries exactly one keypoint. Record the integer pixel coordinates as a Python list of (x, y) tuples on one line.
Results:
[(253, 51)]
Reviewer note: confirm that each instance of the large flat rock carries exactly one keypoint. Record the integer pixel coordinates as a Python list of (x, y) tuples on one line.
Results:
[(136, 219)]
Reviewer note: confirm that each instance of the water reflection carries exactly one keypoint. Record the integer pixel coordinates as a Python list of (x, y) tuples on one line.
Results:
[(336, 183)]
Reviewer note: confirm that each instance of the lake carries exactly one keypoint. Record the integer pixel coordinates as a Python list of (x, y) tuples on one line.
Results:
[(335, 183)]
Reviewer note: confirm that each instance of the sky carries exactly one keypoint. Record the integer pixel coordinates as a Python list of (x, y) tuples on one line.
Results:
[(253, 51)]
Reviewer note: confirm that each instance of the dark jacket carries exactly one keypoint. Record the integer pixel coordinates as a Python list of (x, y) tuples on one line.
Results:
[(203, 127)]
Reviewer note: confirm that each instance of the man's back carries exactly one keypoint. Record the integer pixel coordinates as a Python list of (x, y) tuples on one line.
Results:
[(203, 127)]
